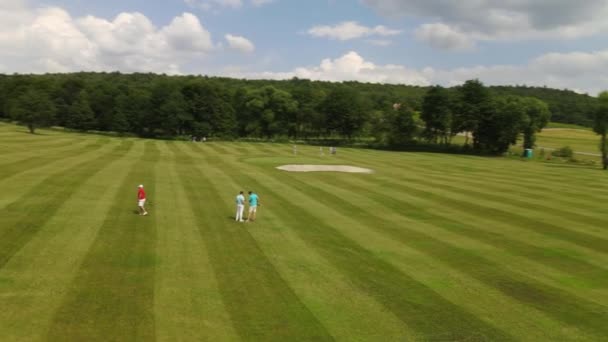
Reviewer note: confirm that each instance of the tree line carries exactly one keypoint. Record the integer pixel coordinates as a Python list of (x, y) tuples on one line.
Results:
[(153, 105)]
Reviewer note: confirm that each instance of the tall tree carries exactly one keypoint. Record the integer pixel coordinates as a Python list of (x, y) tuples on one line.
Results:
[(269, 111), (68, 91), (80, 115), (500, 126), (160, 120), (210, 106), (345, 112), (307, 120), (133, 104), (474, 103), (402, 128), (172, 113), (600, 126), (537, 116), (102, 99), (437, 115), (33, 109)]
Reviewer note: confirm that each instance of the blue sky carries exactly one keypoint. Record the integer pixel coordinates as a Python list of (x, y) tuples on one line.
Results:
[(557, 43)]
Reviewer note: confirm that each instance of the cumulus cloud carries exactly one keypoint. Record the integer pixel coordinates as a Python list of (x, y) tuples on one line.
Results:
[(185, 33), (350, 66), (240, 43), (444, 37), (51, 40), (501, 20), (580, 71), (350, 30)]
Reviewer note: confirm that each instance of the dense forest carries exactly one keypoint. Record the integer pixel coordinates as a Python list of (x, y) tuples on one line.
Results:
[(153, 105)]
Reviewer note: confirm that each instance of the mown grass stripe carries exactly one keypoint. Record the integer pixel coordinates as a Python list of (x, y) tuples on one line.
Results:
[(516, 181), (21, 220), (497, 213), (523, 189), (31, 149), (33, 282), (522, 183), (505, 169), (584, 240), (554, 302), (112, 296), (343, 308), (471, 164), (517, 203), (419, 307), (263, 148), (188, 304), (261, 304), (38, 142), (14, 168), (417, 211)]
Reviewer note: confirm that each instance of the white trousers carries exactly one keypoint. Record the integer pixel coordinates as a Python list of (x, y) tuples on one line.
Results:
[(239, 212)]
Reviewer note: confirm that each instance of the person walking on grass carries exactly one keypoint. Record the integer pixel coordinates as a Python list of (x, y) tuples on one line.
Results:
[(253, 206), (141, 200), (240, 206)]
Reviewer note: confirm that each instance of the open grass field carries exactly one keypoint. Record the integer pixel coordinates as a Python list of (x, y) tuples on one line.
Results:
[(430, 247), (581, 141)]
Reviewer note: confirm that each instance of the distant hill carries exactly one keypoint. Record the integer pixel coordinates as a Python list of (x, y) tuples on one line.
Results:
[(566, 106)]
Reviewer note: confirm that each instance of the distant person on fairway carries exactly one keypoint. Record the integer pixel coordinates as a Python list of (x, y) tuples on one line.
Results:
[(141, 200), (253, 206), (240, 206)]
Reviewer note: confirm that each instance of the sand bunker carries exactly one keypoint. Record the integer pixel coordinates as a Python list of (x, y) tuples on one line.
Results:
[(324, 168)]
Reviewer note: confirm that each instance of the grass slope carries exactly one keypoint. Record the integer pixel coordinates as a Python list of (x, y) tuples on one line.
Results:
[(429, 247)]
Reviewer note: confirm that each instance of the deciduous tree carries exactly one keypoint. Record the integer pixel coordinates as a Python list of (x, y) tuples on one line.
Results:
[(437, 115), (80, 115), (600, 126), (537, 116), (33, 109)]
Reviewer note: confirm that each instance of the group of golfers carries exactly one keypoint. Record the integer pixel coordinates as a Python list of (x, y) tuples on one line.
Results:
[(240, 204), (253, 200)]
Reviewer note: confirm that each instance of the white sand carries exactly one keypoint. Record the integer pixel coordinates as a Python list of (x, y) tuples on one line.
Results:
[(324, 168)]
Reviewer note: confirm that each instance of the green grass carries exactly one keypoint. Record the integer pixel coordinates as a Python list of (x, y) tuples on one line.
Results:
[(565, 125), (579, 140), (584, 142), (430, 247)]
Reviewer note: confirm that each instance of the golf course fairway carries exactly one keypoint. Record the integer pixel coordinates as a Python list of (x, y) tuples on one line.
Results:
[(427, 247)]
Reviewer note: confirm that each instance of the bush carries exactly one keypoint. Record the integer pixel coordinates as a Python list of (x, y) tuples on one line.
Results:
[(564, 152)]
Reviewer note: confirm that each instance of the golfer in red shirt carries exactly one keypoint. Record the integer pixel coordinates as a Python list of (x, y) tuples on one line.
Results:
[(141, 200)]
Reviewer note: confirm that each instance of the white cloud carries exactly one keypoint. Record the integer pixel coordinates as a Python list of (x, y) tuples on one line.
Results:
[(500, 19), (185, 33), (51, 40), (444, 37), (578, 71), (351, 66), (240, 43), (350, 30)]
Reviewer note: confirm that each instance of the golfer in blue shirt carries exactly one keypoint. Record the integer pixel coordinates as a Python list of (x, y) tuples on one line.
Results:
[(253, 206)]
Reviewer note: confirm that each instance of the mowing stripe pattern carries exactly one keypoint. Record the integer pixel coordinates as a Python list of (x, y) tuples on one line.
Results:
[(429, 247)]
